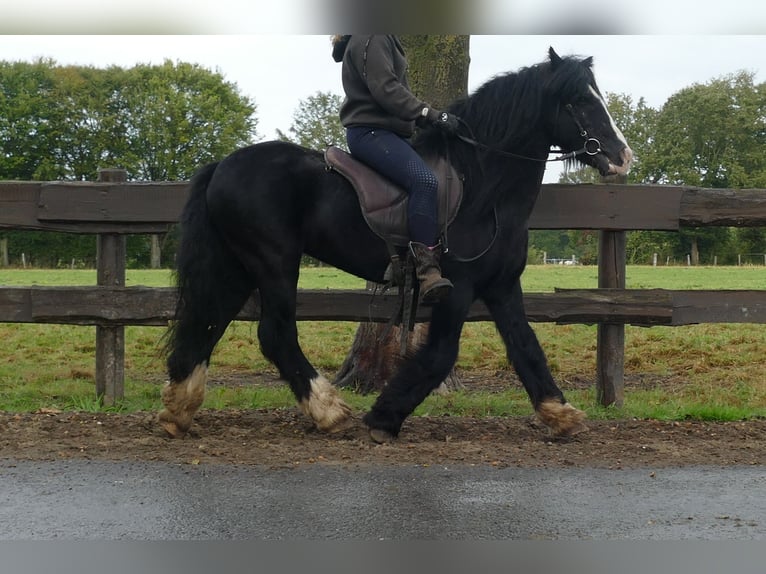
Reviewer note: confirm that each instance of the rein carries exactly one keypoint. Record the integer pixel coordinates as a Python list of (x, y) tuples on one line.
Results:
[(591, 146), (481, 253)]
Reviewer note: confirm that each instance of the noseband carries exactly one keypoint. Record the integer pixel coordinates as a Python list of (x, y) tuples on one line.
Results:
[(595, 145), (591, 145)]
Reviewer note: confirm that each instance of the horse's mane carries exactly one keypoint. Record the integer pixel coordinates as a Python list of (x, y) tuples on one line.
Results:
[(503, 113), (504, 108)]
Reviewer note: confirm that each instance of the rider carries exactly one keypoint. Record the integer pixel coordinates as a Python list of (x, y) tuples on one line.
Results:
[(380, 113)]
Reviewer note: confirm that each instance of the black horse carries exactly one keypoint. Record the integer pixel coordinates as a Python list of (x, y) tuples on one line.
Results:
[(250, 217)]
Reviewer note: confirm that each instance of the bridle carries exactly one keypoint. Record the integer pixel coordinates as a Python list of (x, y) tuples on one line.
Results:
[(591, 145)]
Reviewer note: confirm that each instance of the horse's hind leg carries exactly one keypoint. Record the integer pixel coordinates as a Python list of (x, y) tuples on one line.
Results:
[(200, 323), (529, 361), (278, 336)]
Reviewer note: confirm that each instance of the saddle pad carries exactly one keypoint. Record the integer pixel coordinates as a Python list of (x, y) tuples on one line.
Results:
[(384, 204)]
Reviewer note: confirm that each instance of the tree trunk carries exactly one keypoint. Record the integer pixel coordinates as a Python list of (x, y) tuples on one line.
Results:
[(374, 357), (4, 252), (438, 74), (695, 251), (438, 67), (155, 255)]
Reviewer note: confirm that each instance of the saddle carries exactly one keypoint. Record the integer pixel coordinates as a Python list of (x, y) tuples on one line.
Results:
[(384, 204)]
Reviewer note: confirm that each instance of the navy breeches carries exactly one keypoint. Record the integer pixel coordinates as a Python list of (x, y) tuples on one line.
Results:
[(393, 157)]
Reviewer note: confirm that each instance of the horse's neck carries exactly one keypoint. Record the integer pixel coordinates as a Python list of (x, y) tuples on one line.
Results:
[(514, 183), (520, 193)]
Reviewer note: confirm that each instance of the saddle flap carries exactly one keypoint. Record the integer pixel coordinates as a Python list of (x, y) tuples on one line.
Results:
[(375, 191), (384, 204)]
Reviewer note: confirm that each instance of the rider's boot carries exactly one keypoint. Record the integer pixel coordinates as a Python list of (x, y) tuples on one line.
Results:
[(433, 287)]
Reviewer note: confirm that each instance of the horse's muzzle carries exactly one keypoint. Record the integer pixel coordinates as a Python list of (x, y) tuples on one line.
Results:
[(626, 157)]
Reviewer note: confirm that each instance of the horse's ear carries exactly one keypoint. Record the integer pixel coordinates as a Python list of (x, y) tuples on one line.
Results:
[(555, 58), (588, 61)]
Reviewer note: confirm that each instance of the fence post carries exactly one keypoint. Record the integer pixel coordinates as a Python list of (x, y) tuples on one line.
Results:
[(610, 353), (110, 340)]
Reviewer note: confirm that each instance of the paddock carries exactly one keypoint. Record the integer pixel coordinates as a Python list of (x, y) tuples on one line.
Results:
[(112, 208)]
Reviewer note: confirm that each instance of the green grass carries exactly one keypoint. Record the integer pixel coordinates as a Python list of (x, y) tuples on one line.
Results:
[(310, 278), (537, 278), (717, 370)]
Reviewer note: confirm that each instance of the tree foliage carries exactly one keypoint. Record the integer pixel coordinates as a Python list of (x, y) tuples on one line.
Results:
[(159, 122), (710, 135), (179, 117), (316, 122), (28, 120)]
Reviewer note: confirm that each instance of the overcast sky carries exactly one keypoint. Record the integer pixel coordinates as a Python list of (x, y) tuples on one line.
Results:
[(278, 71)]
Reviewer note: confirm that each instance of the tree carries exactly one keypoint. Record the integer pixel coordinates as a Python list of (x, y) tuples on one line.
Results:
[(89, 124), (438, 67), (28, 122), (178, 117), (438, 74), (65, 122), (751, 241), (316, 123), (710, 135), (32, 123)]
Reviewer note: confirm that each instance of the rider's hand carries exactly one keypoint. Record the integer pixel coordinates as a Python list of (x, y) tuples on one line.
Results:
[(445, 121)]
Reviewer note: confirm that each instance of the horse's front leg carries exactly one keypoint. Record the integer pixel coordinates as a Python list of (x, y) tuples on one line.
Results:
[(425, 370), (528, 359)]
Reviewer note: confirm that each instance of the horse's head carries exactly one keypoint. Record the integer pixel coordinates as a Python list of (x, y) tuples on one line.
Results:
[(581, 121)]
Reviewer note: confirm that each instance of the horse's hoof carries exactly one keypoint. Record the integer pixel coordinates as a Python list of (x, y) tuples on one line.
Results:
[(381, 437), (340, 426), (172, 429), (574, 431), (562, 419)]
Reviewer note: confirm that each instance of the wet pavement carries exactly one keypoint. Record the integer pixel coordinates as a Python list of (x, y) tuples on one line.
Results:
[(79, 499)]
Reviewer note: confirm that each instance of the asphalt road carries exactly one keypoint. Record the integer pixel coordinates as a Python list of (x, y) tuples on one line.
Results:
[(77, 500)]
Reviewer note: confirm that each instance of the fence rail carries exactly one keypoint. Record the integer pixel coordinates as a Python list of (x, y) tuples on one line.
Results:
[(153, 306), (113, 207), (129, 208)]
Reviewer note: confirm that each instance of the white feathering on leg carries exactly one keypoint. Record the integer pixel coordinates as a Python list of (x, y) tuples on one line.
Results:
[(182, 400), (325, 406), (562, 419)]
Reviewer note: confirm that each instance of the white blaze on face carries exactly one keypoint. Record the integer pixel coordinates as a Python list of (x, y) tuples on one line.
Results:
[(626, 152)]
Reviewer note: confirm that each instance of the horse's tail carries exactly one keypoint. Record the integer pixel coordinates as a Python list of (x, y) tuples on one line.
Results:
[(203, 261)]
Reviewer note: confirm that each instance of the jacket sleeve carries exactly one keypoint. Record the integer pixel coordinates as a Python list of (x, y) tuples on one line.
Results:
[(385, 87)]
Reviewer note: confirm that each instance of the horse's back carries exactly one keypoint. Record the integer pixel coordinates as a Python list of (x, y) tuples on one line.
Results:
[(260, 178), (272, 159), (280, 189)]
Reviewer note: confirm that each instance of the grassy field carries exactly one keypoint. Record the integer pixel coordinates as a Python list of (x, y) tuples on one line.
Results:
[(537, 278), (701, 371)]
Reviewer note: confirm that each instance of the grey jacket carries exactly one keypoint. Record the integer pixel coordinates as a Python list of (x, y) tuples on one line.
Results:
[(375, 81)]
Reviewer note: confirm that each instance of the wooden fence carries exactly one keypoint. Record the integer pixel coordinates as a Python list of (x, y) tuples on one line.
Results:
[(111, 208)]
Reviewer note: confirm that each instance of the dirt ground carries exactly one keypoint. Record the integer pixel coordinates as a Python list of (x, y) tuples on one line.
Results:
[(285, 438)]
